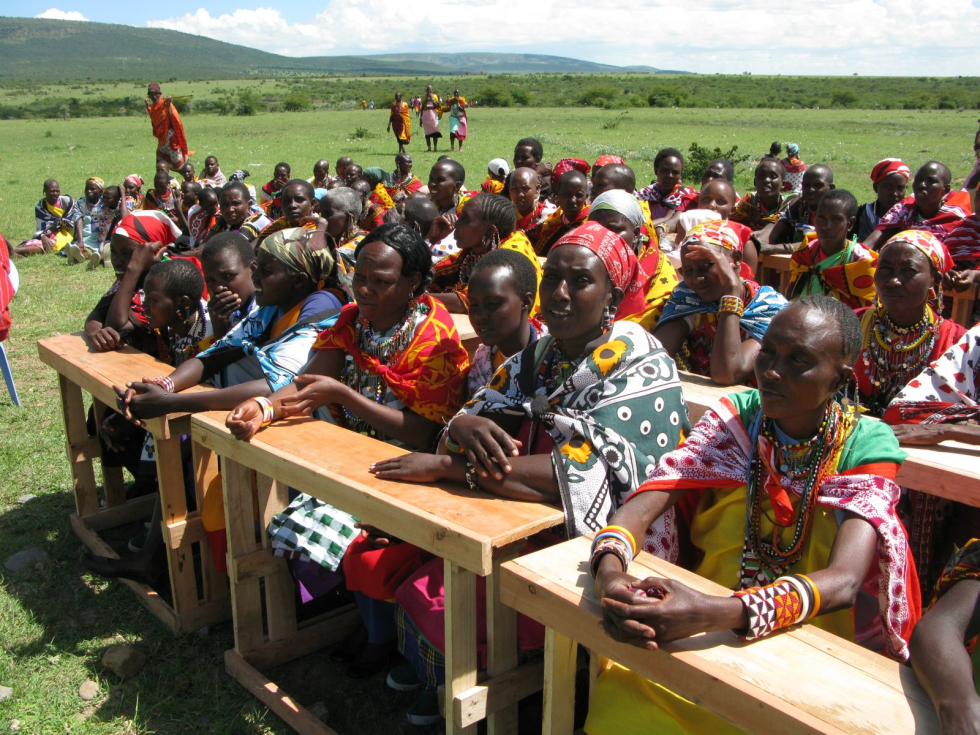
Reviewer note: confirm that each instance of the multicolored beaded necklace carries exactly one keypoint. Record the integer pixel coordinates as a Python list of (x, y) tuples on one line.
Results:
[(895, 354), (763, 560), (184, 348), (386, 350), (556, 367)]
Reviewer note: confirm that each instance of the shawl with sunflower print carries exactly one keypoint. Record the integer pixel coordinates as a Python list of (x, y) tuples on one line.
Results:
[(611, 421)]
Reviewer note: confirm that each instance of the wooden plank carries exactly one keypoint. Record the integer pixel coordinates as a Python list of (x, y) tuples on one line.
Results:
[(170, 482), (326, 630), (493, 695), (112, 477), (501, 642), (461, 659), (560, 655), (280, 602), (76, 433), (963, 305), (188, 531), (246, 604), (293, 714), (213, 582), (331, 463), (789, 682), (134, 510)]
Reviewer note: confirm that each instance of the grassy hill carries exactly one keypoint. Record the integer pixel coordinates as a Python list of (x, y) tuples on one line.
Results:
[(39, 50)]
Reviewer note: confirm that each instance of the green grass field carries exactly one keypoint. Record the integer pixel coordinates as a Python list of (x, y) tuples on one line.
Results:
[(55, 623)]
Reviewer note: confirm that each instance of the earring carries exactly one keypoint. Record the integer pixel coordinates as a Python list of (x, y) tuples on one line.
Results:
[(607, 319)]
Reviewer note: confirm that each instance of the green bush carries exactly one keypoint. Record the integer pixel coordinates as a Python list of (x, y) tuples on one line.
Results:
[(521, 97), (699, 157), (598, 96), (296, 102), (248, 102), (844, 98), (494, 97)]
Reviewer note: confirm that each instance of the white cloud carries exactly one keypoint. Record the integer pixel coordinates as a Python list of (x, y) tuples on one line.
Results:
[(925, 37), (55, 14)]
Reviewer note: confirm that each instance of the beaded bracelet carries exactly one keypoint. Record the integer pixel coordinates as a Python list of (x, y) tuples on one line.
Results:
[(267, 410), (164, 382), (451, 444), (610, 545), (731, 305), (782, 604), (623, 532)]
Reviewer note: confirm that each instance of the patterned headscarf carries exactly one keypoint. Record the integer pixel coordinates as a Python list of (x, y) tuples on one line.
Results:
[(148, 225), (889, 166), (619, 259), (606, 160), (568, 164), (617, 200), (97, 181), (297, 248), (927, 243), (715, 232), (135, 180)]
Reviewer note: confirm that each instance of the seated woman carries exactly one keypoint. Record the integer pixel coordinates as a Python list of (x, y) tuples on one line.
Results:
[(391, 367), (379, 179), (163, 198), (403, 182), (889, 179), (932, 208), (503, 289), (236, 215), (714, 321), (91, 206), (372, 211), (789, 462), (269, 194), (524, 190), (56, 217), (133, 188), (831, 263), (797, 220), (759, 209), (296, 200), (618, 210), (944, 643), (487, 222), (572, 187), (211, 174), (667, 194), (446, 178), (538, 431)]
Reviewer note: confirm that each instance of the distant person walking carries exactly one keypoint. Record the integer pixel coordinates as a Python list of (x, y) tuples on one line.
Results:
[(167, 128), (400, 122), (431, 111), (457, 120), (795, 168)]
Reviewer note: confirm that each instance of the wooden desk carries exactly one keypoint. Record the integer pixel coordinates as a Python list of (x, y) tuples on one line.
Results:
[(963, 305), (775, 271), (473, 532), (466, 333), (801, 681), (81, 369)]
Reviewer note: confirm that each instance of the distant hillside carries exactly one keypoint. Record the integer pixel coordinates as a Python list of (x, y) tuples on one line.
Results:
[(39, 50)]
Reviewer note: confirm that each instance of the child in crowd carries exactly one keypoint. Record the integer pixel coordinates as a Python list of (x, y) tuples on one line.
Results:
[(269, 194), (56, 216), (321, 174), (796, 221), (296, 202), (833, 263), (236, 213), (212, 175), (573, 209), (497, 173), (446, 179), (667, 193), (162, 197), (889, 178), (524, 189), (201, 217), (759, 209), (188, 174), (228, 262)]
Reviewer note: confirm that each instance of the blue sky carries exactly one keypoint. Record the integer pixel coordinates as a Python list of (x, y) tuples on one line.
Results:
[(874, 37)]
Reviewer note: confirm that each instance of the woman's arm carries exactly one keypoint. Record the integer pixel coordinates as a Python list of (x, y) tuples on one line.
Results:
[(732, 360), (152, 401), (941, 661), (144, 256), (874, 240), (672, 335), (781, 234), (935, 433)]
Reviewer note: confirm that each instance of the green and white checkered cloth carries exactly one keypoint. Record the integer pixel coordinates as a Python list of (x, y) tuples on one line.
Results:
[(313, 531)]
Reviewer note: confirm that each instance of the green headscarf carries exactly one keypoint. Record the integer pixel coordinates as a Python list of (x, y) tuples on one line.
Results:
[(304, 250)]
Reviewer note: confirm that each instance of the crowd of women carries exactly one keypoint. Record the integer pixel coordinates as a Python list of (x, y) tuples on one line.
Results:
[(333, 296)]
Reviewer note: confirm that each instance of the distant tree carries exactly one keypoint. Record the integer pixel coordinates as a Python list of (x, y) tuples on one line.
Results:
[(699, 157), (248, 102), (843, 98), (494, 97), (296, 102)]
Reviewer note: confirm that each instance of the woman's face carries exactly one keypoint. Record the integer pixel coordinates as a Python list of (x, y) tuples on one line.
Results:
[(403, 163), (497, 311), (210, 165), (701, 271), (121, 250), (275, 283), (280, 175), (573, 192), (891, 190), (799, 366), (226, 272), (112, 198), (442, 186), (717, 196), (574, 291), (52, 192), (903, 277), (132, 190), (470, 227), (524, 157), (832, 222), (769, 177), (669, 173), (234, 207), (714, 171), (92, 192), (381, 291), (159, 308), (338, 222), (296, 203), (929, 187), (616, 222)]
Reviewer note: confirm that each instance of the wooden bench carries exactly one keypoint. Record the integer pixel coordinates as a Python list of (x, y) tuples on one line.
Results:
[(467, 335), (802, 681), (473, 532), (199, 592)]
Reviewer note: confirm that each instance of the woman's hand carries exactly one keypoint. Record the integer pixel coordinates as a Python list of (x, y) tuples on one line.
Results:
[(414, 467), (486, 445), (146, 255), (376, 538), (442, 226), (245, 420), (319, 391), (960, 280), (105, 339), (318, 222), (655, 611), (919, 433), (142, 400), (222, 306)]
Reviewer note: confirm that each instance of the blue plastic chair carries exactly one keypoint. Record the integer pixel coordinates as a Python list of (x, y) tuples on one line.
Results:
[(8, 377)]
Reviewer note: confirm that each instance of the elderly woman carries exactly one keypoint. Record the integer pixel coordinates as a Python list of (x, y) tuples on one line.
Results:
[(539, 431), (400, 122), (391, 367), (715, 320), (789, 462), (486, 222), (619, 211)]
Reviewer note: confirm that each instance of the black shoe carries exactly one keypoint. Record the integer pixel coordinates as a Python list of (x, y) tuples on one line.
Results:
[(374, 659), (349, 649)]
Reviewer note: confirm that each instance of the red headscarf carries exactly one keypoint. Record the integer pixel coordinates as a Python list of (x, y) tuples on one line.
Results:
[(148, 226), (606, 160), (890, 166), (568, 164), (623, 268)]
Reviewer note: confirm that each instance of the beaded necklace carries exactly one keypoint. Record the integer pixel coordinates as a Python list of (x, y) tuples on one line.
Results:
[(556, 367), (184, 348), (386, 350), (895, 354), (765, 559), (466, 269)]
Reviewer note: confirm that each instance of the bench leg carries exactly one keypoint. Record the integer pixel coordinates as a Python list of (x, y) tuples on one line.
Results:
[(461, 660), (76, 433), (559, 683), (280, 600), (170, 479), (214, 583), (246, 604), (502, 650), (112, 477)]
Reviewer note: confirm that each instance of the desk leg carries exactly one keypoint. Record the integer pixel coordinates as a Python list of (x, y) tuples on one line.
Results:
[(112, 477), (83, 474), (559, 683), (280, 598), (461, 660), (246, 604), (170, 478), (502, 650), (214, 583)]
